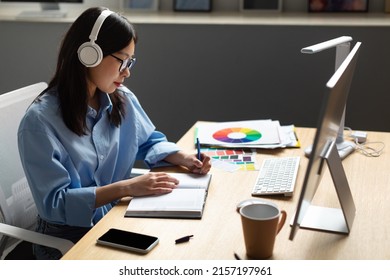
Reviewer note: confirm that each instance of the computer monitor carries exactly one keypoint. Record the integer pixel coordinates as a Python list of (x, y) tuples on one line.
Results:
[(324, 153), (49, 8)]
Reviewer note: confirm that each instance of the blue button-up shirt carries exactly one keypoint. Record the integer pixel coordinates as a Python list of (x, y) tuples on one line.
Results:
[(64, 169)]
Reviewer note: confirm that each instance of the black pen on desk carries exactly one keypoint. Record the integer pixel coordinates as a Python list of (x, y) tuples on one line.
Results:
[(183, 239), (198, 149)]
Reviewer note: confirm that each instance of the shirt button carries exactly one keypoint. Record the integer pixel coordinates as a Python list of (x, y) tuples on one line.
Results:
[(101, 157)]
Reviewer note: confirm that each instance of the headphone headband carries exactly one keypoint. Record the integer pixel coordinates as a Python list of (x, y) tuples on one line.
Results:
[(98, 24), (90, 54)]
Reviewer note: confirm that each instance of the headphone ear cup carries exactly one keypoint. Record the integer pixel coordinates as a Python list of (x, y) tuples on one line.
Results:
[(90, 54)]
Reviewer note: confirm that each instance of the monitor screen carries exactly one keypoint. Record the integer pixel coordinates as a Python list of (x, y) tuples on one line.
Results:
[(48, 8), (44, 1), (324, 154)]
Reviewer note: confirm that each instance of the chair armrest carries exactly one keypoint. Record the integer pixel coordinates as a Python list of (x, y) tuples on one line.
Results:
[(37, 238)]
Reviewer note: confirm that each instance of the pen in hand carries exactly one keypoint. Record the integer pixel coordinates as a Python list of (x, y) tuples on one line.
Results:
[(198, 149)]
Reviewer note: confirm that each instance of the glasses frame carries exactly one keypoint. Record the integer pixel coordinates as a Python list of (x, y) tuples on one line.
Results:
[(126, 63)]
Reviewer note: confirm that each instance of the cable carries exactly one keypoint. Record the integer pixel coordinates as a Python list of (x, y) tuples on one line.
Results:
[(369, 151), (364, 147)]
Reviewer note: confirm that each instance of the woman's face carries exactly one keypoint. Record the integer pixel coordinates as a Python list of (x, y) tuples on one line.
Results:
[(106, 76)]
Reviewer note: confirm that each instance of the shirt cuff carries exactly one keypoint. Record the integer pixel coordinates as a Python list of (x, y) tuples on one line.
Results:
[(156, 155)]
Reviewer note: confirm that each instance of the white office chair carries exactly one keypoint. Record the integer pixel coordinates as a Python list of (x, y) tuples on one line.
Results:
[(17, 208)]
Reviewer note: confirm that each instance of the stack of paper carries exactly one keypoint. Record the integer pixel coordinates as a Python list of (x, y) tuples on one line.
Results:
[(266, 134)]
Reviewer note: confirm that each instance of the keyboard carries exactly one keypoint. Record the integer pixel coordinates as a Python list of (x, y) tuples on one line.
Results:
[(277, 176), (42, 14)]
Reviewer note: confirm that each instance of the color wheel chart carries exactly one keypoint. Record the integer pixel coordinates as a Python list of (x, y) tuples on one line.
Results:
[(245, 159), (237, 135)]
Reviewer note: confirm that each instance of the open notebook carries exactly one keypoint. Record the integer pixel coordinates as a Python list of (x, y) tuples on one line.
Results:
[(185, 201)]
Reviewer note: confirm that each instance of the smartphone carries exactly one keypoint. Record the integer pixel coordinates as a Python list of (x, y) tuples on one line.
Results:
[(128, 240)]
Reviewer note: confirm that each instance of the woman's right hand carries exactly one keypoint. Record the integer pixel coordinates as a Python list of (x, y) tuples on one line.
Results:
[(152, 183)]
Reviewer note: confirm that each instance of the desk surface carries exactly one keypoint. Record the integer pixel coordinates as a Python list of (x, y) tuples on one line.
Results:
[(218, 234)]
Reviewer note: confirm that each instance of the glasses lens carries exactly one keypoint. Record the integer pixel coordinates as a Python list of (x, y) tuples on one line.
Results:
[(129, 63)]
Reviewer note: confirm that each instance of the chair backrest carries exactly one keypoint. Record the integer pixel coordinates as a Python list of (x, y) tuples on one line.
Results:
[(16, 203)]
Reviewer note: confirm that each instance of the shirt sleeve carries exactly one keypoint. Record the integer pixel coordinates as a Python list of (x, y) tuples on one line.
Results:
[(154, 146), (155, 149)]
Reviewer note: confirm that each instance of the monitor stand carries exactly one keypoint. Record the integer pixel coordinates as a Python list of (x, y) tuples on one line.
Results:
[(333, 219), (48, 10), (324, 219)]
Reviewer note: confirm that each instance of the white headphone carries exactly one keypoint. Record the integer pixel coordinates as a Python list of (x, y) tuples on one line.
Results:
[(90, 54)]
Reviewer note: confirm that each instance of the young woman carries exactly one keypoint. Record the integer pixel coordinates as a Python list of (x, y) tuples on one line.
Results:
[(80, 138)]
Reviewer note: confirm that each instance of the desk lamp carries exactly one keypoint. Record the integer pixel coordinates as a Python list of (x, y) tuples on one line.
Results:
[(342, 45)]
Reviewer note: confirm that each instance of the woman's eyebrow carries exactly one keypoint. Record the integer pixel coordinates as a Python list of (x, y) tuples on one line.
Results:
[(125, 54)]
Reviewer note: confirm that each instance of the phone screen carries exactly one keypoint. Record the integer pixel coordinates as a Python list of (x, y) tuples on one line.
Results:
[(128, 240)]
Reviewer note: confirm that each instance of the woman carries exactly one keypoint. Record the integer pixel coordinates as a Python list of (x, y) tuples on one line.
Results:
[(79, 140)]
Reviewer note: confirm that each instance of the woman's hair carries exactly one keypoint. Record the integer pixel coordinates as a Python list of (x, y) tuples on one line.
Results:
[(115, 34)]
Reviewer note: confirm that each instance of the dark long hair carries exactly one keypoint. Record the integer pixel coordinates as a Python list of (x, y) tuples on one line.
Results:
[(70, 77)]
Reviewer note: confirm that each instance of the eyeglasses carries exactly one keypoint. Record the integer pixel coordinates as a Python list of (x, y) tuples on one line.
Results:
[(127, 63)]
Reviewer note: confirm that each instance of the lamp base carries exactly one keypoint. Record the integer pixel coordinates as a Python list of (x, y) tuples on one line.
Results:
[(344, 149)]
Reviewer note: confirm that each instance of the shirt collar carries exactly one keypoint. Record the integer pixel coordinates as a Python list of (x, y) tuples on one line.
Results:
[(105, 105), (105, 102)]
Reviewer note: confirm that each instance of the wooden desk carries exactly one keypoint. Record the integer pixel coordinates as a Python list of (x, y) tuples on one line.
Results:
[(218, 234)]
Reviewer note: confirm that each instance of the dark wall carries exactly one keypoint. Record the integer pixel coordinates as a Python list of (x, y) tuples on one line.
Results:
[(186, 73)]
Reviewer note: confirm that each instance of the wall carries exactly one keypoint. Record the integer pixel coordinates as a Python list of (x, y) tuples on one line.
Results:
[(222, 72), (225, 73)]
